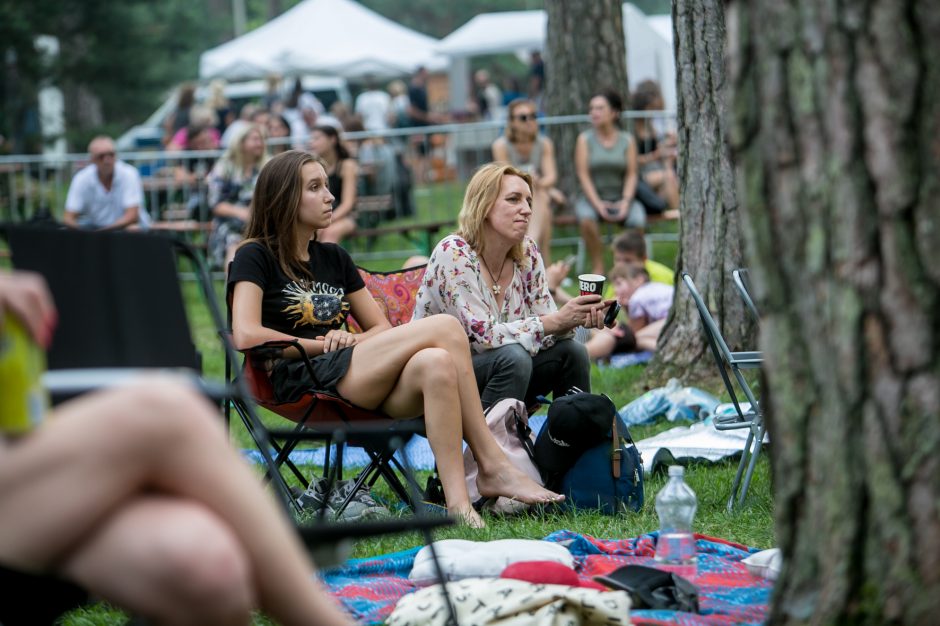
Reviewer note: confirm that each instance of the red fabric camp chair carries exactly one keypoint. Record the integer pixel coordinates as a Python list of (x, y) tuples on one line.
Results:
[(331, 416)]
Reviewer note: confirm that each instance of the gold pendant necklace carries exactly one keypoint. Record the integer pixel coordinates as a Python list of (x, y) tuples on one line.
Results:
[(495, 287)]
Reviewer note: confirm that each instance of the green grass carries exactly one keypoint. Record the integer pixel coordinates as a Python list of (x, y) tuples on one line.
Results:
[(751, 525)]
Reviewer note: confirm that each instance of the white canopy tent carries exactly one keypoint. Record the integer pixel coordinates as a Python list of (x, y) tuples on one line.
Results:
[(649, 54), (338, 37)]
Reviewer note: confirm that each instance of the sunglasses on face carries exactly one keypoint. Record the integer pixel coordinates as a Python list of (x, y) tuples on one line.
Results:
[(524, 117), (101, 155)]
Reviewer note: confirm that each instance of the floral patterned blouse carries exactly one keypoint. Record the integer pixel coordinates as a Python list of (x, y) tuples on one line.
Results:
[(453, 284)]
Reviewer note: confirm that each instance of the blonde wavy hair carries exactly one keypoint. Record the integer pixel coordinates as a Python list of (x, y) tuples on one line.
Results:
[(481, 194)]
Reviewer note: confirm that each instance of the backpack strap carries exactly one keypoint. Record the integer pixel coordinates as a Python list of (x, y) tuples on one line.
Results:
[(615, 451), (524, 432)]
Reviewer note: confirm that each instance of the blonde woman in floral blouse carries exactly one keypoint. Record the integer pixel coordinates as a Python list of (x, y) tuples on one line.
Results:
[(490, 276)]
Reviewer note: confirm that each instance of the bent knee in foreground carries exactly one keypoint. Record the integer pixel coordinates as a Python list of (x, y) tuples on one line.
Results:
[(205, 570)]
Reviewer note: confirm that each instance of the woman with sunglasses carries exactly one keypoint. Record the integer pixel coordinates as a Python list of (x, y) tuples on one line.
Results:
[(532, 152)]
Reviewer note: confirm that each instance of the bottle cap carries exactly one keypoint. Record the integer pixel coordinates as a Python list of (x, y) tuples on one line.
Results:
[(676, 470)]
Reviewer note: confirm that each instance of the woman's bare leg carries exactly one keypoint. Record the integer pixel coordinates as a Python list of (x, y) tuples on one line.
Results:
[(648, 336), (375, 370), (428, 384), (61, 485), (172, 561)]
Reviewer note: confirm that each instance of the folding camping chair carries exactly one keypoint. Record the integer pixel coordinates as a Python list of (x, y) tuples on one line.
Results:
[(740, 278), (325, 416), (752, 418), (121, 309)]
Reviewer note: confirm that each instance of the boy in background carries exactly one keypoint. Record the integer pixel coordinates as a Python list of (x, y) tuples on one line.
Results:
[(630, 248)]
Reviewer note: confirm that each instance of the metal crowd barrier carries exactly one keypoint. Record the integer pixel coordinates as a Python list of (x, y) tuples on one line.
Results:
[(431, 163)]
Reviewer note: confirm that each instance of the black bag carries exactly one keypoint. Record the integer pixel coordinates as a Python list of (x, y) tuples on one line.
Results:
[(651, 588), (585, 452), (648, 198), (608, 477)]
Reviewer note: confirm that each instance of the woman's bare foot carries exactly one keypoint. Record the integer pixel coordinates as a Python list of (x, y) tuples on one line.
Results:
[(468, 516), (508, 481)]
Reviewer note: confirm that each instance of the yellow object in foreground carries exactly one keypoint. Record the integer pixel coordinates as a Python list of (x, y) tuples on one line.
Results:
[(23, 401)]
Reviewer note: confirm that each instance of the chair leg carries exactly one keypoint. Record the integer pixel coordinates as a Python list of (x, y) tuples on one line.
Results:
[(745, 454), (758, 441)]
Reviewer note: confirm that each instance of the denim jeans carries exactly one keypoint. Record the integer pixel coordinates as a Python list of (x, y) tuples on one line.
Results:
[(511, 372)]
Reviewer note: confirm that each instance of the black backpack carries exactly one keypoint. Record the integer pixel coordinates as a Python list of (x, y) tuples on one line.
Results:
[(607, 477)]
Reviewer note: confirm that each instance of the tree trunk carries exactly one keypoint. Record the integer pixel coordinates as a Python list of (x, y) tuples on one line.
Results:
[(710, 240), (585, 54), (837, 139)]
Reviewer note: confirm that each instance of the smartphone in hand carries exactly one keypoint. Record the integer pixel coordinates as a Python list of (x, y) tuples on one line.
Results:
[(610, 318)]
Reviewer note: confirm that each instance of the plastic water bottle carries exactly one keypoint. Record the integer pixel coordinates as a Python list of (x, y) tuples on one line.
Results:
[(675, 505)]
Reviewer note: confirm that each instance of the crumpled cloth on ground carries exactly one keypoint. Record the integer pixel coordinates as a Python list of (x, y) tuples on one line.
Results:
[(460, 558), (673, 401), (508, 602)]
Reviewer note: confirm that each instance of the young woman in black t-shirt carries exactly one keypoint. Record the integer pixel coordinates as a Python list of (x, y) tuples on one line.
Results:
[(288, 285)]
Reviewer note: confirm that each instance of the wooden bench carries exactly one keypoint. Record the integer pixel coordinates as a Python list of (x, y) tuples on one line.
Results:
[(423, 235)]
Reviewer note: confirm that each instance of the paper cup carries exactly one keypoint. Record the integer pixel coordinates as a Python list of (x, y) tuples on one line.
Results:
[(591, 284)]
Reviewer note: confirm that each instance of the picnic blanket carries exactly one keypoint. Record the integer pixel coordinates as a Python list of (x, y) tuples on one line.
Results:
[(728, 594)]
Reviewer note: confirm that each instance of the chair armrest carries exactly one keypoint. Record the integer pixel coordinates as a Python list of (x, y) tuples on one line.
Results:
[(65, 384)]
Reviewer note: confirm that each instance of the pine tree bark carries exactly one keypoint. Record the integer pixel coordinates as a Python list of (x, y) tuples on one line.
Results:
[(710, 240), (585, 53), (837, 139)]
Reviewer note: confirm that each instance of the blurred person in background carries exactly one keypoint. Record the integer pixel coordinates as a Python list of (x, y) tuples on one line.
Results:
[(532, 152), (231, 183), (605, 162), (179, 119), (398, 105), (342, 176), (489, 99), (200, 116), (656, 154), (106, 194), (373, 106), (218, 102), (278, 134)]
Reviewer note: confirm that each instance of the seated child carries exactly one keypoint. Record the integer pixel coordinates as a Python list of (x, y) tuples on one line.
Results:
[(647, 305)]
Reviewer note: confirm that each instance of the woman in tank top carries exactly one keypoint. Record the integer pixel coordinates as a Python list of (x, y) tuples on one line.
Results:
[(527, 149), (605, 162), (342, 172)]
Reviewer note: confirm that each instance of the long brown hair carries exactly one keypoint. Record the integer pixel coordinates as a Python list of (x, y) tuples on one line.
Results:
[(274, 209), (482, 192)]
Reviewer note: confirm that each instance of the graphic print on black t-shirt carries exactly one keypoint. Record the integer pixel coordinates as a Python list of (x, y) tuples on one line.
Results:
[(320, 304)]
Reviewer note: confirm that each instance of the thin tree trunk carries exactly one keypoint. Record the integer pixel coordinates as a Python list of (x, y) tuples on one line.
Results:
[(837, 139), (585, 54), (710, 241)]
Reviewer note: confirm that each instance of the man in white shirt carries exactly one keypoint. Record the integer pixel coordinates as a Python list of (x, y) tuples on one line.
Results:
[(107, 194), (372, 105)]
